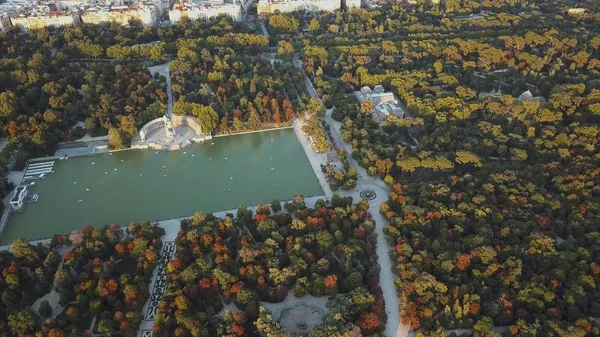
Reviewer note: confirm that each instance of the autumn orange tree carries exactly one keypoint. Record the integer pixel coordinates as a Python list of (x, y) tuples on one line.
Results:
[(320, 249), (104, 288)]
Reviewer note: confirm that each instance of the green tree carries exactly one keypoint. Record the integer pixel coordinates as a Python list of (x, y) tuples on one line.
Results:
[(22, 249), (366, 107), (254, 120), (267, 326), (466, 157), (139, 247), (265, 227), (280, 23), (127, 126), (107, 327), (207, 116), (438, 66), (483, 327), (115, 139), (22, 322), (276, 205), (237, 124), (285, 48), (62, 278), (314, 25), (325, 240), (45, 309), (152, 111), (8, 103)]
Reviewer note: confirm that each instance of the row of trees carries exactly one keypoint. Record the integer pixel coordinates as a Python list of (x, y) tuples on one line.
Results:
[(232, 92)]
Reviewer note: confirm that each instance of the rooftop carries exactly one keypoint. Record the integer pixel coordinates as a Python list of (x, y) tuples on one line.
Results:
[(18, 193), (528, 97), (384, 103)]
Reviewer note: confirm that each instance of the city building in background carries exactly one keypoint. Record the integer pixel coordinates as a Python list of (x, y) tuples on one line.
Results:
[(5, 23), (267, 7), (352, 4), (41, 19), (205, 10), (146, 13), (384, 103)]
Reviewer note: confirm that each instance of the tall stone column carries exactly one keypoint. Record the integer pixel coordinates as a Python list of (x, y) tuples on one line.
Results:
[(169, 127)]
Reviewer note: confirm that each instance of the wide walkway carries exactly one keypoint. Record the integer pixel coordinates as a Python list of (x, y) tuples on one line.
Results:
[(394, 327), (315, 159)]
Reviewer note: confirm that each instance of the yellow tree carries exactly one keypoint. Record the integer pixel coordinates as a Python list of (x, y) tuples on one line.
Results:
[(366, 107)]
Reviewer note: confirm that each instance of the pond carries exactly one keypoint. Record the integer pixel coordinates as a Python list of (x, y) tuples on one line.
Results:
[(138, 185)]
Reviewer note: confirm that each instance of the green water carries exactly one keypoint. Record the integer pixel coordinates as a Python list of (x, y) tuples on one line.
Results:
[(193, 183)]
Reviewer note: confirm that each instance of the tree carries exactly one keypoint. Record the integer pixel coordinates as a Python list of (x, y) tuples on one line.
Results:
[(298, 201), (237, 124), (128, 126), (314, 106), (369, 322), (280, 23), (325, 240), (223, 125), (254, 121), (22, 249), (285, 48), (366, 107), (115, 139), (22, 322), (389, 47), (207, 116), (267, 326), (276, 205), (361, 300), (438, 66), (466, 157), (8, 103), (317, 135), (331, 281), (107, 327), (483, 327), (45, 309), (314, 25), (139, 246), (265, 227)]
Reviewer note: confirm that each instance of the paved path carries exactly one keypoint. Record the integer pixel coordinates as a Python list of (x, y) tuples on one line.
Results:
[(315, 159), (85, 139), (386, 276), (53, 297), (394, 328), (309, 86), (163, 70), (264, 29)]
